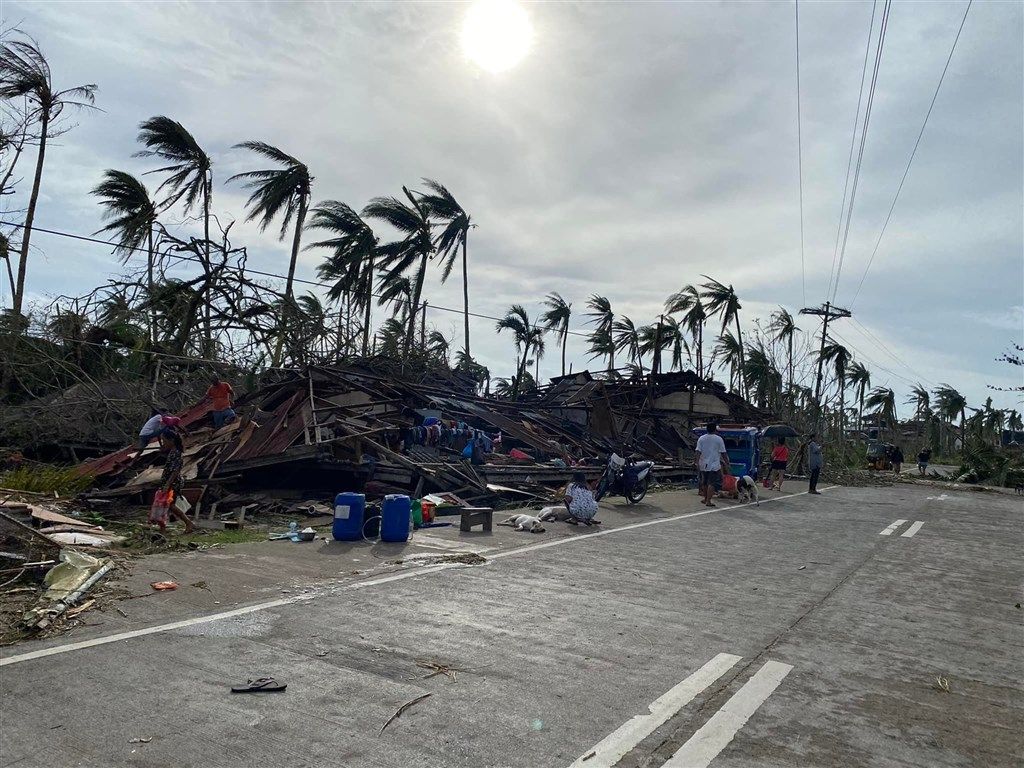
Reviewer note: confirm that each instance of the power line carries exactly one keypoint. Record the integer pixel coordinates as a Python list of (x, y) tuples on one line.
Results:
[(315, 283), (913, 152), (853, 143), (872, 338), (800, 153), (874, 363), (882, 27)]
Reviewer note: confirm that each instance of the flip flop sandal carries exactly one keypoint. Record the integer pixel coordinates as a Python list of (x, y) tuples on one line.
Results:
[(262, 685)]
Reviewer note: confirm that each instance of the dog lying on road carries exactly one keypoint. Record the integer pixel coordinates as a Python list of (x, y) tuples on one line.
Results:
[(524, 523), (746, 490)]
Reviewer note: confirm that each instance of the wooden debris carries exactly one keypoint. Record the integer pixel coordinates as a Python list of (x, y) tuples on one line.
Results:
[(401, 709)]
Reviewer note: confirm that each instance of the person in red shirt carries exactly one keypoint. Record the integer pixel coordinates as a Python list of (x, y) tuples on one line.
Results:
[(222, 396), (780, 456)]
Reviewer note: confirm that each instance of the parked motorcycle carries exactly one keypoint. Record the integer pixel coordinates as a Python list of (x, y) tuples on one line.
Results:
[(625, 477)]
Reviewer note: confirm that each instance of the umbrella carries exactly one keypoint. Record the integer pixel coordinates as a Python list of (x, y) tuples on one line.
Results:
[(779, 430)]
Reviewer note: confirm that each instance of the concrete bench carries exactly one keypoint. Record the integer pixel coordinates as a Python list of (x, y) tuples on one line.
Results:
[(476, 516)]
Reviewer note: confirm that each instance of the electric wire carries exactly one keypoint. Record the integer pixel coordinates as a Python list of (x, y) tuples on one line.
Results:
[(853, 143), (882, 27), (800, 153), (913, 153)]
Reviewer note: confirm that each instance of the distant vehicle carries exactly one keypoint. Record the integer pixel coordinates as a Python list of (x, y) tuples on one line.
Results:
[(879, 455), (743, 446), (625, 477)]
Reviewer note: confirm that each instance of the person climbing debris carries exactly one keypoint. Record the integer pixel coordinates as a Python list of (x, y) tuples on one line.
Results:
[(222, 396)]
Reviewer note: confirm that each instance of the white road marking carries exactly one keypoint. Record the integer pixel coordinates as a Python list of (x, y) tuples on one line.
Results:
[(941, 497), (619, 742), (716, 733), (913, 529), (888, 530), (410, 574)]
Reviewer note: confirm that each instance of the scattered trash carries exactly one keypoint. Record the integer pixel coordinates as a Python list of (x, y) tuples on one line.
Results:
[(201, 585), (942, 684), (401, 709), (140, 740), (164, 585), (588, 756), (260, 685), (66, 583), (801, 567)]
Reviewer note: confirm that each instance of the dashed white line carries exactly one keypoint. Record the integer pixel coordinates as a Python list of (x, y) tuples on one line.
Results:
[(912, 529), (617, 744), (888, 530), (716, 733)]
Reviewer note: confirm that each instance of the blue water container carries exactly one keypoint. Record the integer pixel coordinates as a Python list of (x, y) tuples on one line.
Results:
[(395, 518), (348, 516)]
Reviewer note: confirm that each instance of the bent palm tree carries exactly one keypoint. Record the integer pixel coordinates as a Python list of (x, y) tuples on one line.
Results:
[(859, 377), (130, 215), (441, 204), (190, 181), (729, 351), (688, 303), (882, 401), (723, 301), (557, 319), (784, 327), (25, 73), (284, 191), (764, 381), (952, 404), (518, 323), (839, 356), (411, 253), (352, 262), (627, 338), (602, 344)]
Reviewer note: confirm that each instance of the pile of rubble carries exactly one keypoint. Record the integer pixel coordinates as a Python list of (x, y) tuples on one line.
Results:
[(316, 432)]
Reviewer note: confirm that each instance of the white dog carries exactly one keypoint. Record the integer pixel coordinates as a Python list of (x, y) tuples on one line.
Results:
[(524, 523), (746, 489)]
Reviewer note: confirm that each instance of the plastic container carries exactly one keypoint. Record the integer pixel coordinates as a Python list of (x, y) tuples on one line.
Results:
[(349, 509), (429, 512), (395, 518), (417, 513)]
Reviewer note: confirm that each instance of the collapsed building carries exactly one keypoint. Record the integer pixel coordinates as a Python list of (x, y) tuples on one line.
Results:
[(314, 432)]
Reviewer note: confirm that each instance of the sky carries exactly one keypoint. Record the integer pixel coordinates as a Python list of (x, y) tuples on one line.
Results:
[(635, 148)]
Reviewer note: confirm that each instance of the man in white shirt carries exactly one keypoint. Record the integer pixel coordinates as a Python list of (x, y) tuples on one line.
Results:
[(711, 455)]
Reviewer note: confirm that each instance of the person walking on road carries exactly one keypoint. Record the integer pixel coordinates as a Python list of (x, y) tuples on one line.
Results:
[(780, 457), (923, 458), (711, 457), (897, 460), (815, 462)]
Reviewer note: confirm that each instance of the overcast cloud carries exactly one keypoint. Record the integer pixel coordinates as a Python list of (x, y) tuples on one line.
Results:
[(637, 147)]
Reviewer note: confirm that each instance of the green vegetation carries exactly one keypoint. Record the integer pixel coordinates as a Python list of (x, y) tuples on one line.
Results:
[(42, 478)]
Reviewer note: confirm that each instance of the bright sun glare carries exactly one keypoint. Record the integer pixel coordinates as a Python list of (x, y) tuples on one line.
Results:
[(496, 34)]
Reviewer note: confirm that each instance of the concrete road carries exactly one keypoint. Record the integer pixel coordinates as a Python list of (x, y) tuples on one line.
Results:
[(864, 627)]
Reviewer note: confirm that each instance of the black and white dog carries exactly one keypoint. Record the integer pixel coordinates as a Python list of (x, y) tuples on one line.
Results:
[(746, 489)]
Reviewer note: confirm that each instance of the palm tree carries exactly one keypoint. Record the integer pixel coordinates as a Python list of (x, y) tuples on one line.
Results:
[(1014, 421), (627, 337), (396, 292), (763, 379), (438, 346), (412, 252), (723, 301), (728, 349), (859, 377), (131, 217), (952, 404), (671, 332), (783, 325), (442, 205), (190, 181), (687, 301), (352, 262), (921, 400), (535, 342), (278, 190), (518, 323), (883, 401), (840, 357), (25, 73), (602, 343), (557, 319)]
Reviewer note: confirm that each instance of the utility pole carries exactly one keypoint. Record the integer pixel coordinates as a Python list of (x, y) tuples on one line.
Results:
[(828, 312)]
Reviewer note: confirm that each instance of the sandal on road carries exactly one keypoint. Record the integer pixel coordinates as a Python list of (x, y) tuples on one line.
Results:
[(262, 685)]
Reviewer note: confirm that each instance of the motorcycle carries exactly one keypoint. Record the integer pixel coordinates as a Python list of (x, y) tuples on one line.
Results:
[(625, 477)]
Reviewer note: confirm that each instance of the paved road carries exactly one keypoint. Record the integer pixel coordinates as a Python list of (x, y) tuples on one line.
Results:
[(865, 627)]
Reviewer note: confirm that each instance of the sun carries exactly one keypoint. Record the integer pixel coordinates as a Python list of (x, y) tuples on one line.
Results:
[(496, 34)]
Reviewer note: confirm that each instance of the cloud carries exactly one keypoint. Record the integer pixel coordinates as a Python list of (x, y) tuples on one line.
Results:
[(638, 147)]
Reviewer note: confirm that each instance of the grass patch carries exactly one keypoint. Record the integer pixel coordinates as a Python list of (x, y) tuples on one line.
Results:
[(41, 478), (243, 536)]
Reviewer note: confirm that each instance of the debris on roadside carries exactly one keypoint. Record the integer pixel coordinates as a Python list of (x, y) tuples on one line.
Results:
[(66, 583), (403, 708)]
